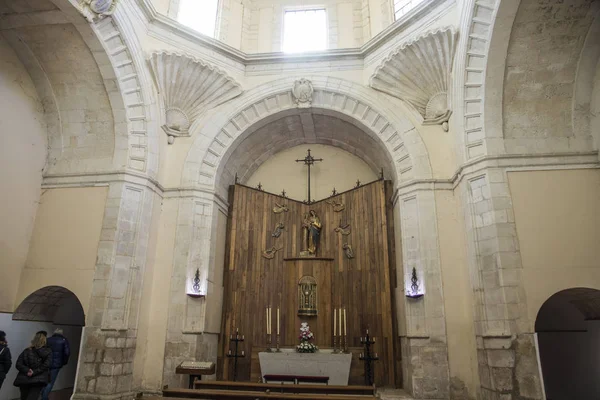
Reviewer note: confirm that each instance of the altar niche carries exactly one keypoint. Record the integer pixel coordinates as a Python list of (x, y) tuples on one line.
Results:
[(363, 285)]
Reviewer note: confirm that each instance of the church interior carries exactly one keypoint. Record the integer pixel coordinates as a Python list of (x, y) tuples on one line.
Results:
[(303, 199)]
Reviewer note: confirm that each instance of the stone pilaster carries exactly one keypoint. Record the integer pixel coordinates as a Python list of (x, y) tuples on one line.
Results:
[(194, 322), (508, 367), (109, 339), (422, 324)]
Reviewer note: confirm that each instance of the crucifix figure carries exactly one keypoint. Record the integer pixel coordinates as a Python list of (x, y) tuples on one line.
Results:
[(309, 160)]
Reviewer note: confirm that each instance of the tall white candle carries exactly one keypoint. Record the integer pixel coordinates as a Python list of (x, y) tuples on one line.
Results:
[(334, 321), (345, 322), (270, 320), (267, 318), (278, 320), (340, 321)]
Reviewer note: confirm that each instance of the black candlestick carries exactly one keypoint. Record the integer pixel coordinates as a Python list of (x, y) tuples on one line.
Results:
[(368, 358), (236, 339)]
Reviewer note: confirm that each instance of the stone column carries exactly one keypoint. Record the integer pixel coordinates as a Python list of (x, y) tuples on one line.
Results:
[(109, 338), (422, 324), (194, 323), (508, 367)]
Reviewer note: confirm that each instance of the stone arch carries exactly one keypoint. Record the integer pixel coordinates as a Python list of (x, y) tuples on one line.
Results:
[(508, 59), (567, 328), (44, 304), (222, 132), (133, 145)]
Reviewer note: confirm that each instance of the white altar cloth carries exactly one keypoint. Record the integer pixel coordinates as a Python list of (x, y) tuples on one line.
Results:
[(321, 363)]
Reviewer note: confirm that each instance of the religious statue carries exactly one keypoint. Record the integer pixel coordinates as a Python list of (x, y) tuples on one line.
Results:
[(343, 229), (311, 232), (337, 207)]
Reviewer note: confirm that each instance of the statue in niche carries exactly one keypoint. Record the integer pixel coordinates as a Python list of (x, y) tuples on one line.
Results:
[(307, 296), (311, 232)]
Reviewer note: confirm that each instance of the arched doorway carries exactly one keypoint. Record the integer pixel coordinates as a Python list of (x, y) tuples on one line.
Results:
[(47, 309), (567, 326)]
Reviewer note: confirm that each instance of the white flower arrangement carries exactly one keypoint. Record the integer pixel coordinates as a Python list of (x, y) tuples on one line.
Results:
[(306, 336)]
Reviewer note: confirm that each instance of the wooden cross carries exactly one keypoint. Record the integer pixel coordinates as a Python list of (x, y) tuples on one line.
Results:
[(309, 160)]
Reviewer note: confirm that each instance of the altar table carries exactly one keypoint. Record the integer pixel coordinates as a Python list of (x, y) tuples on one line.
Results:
[(321, 363)]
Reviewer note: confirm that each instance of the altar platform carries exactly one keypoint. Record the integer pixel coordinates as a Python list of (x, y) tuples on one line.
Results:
[(323, 363)]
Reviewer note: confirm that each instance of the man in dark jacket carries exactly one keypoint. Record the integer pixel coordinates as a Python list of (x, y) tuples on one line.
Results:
[(60, 357), (5, 358)]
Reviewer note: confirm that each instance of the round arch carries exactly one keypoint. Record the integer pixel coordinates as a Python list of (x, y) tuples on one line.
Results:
[(567, 327), (45, 304), (221, 133)]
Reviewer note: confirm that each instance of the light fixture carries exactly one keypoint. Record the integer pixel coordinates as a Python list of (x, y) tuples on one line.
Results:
[(196, 288), (416, 289)]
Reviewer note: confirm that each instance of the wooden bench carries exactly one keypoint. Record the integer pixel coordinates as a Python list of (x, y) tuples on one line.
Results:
[(253, 395), (296, 379), (282, 388)]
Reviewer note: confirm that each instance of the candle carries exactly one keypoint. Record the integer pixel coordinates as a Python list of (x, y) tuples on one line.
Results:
[(237, 330), (242, 353), (367, 332), (345, 322), (340, 322), (334, 324), (267, 318), (229, 352), (278, 320)]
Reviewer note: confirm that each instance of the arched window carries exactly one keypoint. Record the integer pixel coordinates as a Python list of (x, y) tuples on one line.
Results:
[(200, 15), (401, 7)]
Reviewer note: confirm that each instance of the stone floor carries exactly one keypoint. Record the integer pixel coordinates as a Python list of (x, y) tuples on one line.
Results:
[(392, 394)]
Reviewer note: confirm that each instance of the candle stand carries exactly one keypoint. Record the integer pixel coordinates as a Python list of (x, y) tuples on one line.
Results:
[(367, 341), (237, 339)]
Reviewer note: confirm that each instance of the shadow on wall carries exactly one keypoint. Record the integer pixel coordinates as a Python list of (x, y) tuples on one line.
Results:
[(46, 309), (568, 329)]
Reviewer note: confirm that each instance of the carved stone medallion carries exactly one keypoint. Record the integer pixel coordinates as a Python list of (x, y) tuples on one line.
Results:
[(99, 8), (303, 92)]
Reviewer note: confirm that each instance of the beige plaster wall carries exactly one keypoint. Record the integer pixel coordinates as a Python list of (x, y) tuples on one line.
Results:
[(458, 296), (23, 143), (64, 243), (558, 226), (339, 169)]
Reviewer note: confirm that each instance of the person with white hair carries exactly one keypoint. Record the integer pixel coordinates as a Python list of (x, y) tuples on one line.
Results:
[(60, 357)]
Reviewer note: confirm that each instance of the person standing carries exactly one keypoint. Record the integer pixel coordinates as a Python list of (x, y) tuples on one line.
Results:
[(33, 365), (5, 358), (60, 357)]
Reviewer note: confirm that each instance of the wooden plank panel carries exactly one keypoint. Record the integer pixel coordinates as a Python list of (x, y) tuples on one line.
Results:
[(362, 285)]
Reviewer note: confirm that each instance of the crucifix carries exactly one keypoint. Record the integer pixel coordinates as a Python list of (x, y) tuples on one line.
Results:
[(309, 160)]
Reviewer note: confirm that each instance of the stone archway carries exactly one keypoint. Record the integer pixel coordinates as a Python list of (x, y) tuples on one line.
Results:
[(567, 328), (360, 106), (55, 310), (385, 138), (44, 304)]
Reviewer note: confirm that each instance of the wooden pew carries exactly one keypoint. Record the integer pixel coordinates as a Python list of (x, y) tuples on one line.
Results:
[(277, 387), (220, 394)]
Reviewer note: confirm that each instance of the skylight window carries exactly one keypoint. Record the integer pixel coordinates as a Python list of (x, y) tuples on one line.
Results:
[(401, 7), (304, 30), (200, 15)]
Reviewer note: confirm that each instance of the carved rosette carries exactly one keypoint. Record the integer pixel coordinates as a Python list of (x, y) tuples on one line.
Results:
[(418, 72), (303, 92), (97, 9), (189, 87)]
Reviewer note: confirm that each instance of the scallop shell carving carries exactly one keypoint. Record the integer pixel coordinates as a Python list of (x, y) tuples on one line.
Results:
[(189, 87), (418, 72)]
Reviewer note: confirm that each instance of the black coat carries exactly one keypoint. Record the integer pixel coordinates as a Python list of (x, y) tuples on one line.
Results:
[(60, 350), (5, 360), (37, 360)]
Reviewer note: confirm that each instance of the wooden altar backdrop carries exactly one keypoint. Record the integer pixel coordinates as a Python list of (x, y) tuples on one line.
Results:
[(363, 285)]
